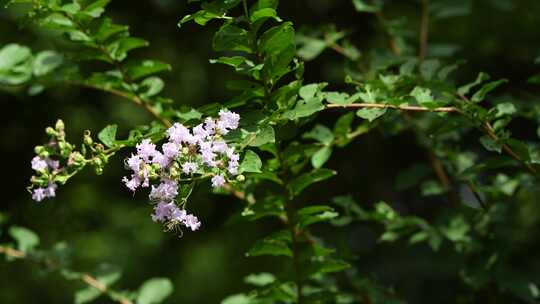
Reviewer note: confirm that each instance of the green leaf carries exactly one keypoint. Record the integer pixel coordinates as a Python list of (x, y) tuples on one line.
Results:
[(370, 113), (45, 62), (265, 135), (15, 64), (140, 69), (151, 86), (96, 8), (232, 38), (26, 239), (251, 163), (155, 290), (310, 47), (263, 14), (464, 90), (277, 39), (237, 299), (260, 279), (275, 244), (327, 266), (311, 90), (428, 68), (314, 214), (297, 185), (368, 6), (485, 89), (321, 134), (490, 144), (422, 95), (108, 135), (337, 97), (505, 108), (119, 49), (305, 108), (86, 295), (320, 157)]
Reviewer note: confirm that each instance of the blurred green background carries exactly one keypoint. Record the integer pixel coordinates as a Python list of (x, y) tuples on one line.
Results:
[(103, 223)]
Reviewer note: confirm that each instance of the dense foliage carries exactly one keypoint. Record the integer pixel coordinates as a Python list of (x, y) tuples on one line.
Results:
[(322, 212)]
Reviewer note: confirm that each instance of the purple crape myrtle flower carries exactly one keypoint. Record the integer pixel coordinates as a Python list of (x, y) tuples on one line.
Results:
[(178, 134), (146, 150), (172, 214), (218, 181), (40, 194), (39, 164), (227, 121), (171, 150), (166, 191), (189, 167), (188, 151)]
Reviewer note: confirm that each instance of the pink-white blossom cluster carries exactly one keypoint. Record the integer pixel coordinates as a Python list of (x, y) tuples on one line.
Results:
[(189, 153)]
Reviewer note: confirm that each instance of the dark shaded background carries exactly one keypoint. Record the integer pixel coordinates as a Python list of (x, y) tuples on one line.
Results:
[(105, 224)]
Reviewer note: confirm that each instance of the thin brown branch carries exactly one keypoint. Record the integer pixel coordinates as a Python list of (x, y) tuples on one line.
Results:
[(396, 107), (131, 97), (424, 31), (491, 133), (85, 278)]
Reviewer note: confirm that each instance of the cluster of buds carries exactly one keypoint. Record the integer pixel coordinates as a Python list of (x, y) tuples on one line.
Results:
[(188, 155), (57, 160)]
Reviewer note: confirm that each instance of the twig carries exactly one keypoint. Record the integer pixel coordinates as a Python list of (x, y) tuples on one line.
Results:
[(424, 31), (396, 107), (85, 277), (131, 97), (491, 133)]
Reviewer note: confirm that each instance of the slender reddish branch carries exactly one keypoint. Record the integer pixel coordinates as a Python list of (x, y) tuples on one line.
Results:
[(389, 106)]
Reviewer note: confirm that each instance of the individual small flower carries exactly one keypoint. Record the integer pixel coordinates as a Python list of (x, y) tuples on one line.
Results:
[(134, 163), (218, 181), (133, 183), (39, 163), (39, 194), (166, 191), (219, 146), (201, 132), (163, 211), (171, 150), (178, 133), (161, 159), (227, 121), (178, 215), (53, 164), (233, 167), (146, 150), (50, 191), (192, 222), (189, 167)]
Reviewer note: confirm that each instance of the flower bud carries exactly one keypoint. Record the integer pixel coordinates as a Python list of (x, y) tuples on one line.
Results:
[(59, 126), (75, 159), (65, 148), (51, 131), (185, 150), (241, 178), (87, 139), (41, 151)]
